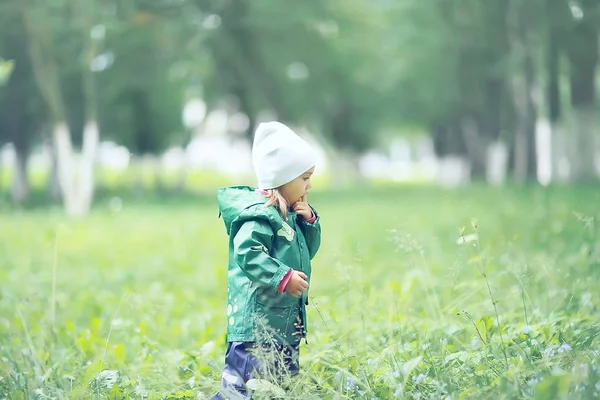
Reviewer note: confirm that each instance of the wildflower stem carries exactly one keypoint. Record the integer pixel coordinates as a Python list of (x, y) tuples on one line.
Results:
[(54, 266), (329, 330), (487, 282)]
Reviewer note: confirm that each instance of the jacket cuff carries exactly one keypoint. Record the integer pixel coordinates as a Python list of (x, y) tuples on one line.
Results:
[(313, 218), (281, 272), (285, 281)]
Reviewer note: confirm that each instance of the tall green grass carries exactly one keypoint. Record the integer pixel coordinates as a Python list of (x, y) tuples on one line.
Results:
[(417, 293)]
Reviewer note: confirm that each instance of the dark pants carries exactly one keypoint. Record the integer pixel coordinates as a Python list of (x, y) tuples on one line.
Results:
[(245, 361)]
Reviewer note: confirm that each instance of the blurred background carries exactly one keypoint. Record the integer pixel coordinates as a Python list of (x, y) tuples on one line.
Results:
[(130, 96), (471, 262)]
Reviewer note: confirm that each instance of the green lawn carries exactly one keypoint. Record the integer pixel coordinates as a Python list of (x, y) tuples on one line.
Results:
[(132, 303)]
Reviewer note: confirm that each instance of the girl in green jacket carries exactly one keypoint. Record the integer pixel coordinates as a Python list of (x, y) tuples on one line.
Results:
[(273, 236)]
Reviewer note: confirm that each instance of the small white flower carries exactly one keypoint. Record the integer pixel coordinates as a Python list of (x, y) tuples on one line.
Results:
[(532, 382), (419, 378), (467, 238), (106, 379), (527, 329), (443, 341), (349, 383), (337, 378), (564, 348), (397, 373), (475, 343)]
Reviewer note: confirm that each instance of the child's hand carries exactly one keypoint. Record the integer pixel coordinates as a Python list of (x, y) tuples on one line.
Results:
[(302, 208), (297, 284)]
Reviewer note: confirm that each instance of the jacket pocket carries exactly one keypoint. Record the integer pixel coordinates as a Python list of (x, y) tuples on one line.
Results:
[(272, 318)]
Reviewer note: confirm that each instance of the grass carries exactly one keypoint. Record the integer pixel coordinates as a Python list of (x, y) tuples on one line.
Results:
[(417, 293)]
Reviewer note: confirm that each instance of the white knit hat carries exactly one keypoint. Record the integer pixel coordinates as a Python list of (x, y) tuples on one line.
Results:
[(279, 155)]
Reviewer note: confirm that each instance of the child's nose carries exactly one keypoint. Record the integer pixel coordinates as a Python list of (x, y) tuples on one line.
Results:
[(308, 185)]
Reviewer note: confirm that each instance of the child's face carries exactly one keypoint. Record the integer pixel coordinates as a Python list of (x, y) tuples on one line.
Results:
[(294, 190)]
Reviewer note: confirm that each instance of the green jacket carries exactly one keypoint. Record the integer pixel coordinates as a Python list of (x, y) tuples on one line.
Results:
[(263, 248)]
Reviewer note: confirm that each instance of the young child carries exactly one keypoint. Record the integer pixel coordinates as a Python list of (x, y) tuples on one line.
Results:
[(273, 236)]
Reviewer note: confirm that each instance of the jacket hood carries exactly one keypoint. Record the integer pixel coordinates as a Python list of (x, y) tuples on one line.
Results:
[(234, 200)]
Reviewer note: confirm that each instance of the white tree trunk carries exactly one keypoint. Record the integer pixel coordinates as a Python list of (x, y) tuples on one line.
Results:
[(53, 182), (344, 169), (20, 181), (583, 144), (521, 154), (64, 164), (86, 168), (76, 174), (560, 154), (544, 151), (497, 163), (453, 171)]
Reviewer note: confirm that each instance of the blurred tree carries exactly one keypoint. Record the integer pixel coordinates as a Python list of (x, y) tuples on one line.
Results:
[(471, 77), (92, 34), (21, 113), (144, 90), (145, 79), (556, 18), (307, 65), (46, 23), (456, 76), (524, 19), (582, 48), (470, 72)]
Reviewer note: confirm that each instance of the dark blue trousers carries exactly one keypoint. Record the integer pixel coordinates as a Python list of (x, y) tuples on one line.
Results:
[(241, 365)]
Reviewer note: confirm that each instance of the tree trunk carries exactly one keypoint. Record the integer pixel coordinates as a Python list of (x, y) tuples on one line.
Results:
[(53, 181), (493, 121), (75, 172), (476, 143), (524, 86), (344, 169), (583, 143), (532, 115), (447, 139), (65, 165), (583, 136), (75, 179), (497, 162), (47, 77), (557, 146), (583, 53), (20, 182), (86, 177)]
